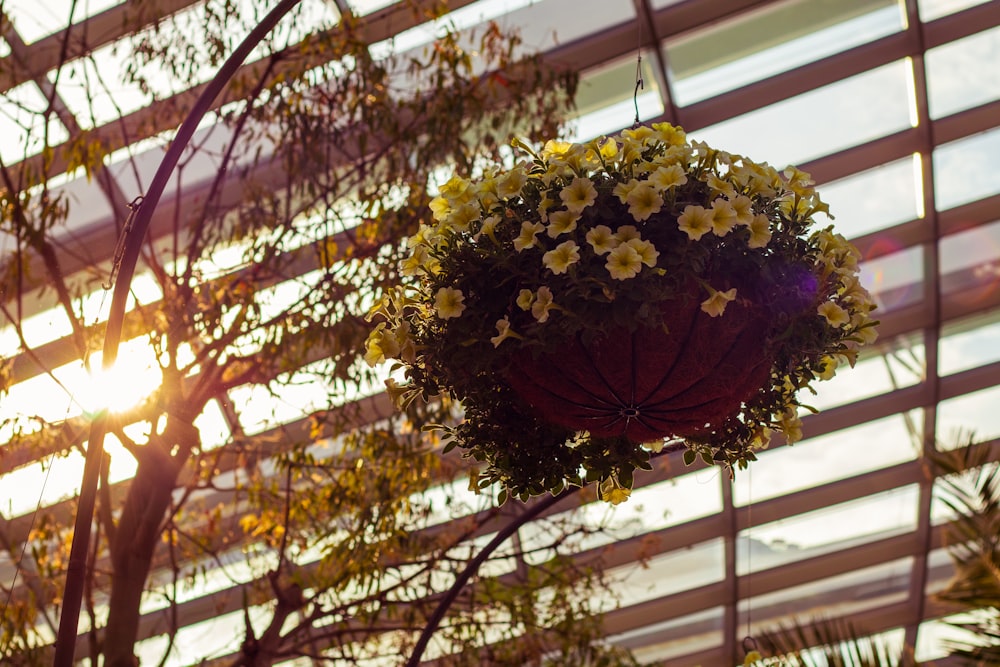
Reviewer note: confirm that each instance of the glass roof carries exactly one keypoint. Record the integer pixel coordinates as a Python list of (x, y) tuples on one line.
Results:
[(903, 142)]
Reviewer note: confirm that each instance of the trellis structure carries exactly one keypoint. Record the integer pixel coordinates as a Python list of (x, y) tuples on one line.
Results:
[(901, 103)]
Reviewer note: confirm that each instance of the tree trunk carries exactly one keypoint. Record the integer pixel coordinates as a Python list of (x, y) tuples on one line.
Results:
[(137, 535)]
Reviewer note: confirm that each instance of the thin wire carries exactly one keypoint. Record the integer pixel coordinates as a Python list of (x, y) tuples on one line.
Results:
[(288, 514), (31, 527), (749, 638)]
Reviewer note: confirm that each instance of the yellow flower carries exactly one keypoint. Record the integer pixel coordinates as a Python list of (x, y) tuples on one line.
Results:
[(544, 206), (612, 493), (562, 222), (527, 237), (524, 299), (868, 335), (829, 367), (642, 134), (722, 187), (794, 207), (510, 184), (854, 291), (626, 233), (631, 151), (553, 148), (617, 496), (489, 228), (622, 190), (761, 438), (448, 302), (647, 252), (579, 194), (624, 262), (374, 352), (643, 201), (383, 344), (791, 426), (835, 315), (559, 259), (419, 259), (440, 209), (655, 446), (503, 332), (695, 221), (743, 208), (798, 181), (723, 217), (665, 178), (760, 231), (601, 239), (567, 159), (456, 189), (543, 304), (460, 218), (829, 242), (609, 149), (486, 195), (670, 134), (716, 302)]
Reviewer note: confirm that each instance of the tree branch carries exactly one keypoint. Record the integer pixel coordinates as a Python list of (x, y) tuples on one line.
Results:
[(463, 578)]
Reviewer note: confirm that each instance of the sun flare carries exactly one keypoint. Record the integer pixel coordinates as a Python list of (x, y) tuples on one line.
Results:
[(134, 376)]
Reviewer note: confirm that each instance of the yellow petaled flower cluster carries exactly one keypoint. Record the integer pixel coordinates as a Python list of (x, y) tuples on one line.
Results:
[(577, 236)]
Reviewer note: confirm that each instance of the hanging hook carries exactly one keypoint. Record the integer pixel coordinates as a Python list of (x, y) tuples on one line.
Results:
[(116, 262), (638, 85), (750, 651), (638, 70)]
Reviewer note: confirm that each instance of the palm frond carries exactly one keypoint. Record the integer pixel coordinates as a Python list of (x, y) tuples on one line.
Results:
[(970, 488), (983, 645), (833, 642)]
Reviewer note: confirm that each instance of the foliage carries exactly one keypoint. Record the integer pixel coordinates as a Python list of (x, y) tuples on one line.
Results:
[(330, 528), (592, 241), (830, 643), (970, 488)]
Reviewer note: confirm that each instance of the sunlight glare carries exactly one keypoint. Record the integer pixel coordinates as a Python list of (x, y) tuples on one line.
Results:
[(134, 376)]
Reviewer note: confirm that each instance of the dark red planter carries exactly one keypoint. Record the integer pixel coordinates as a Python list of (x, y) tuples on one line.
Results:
[(649, 384)]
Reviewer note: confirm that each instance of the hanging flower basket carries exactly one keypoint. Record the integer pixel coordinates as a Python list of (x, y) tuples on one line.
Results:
[(598, 299), (653, 382)]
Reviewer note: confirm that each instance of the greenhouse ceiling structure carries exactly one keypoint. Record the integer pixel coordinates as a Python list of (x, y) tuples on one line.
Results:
[(893, 107)]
